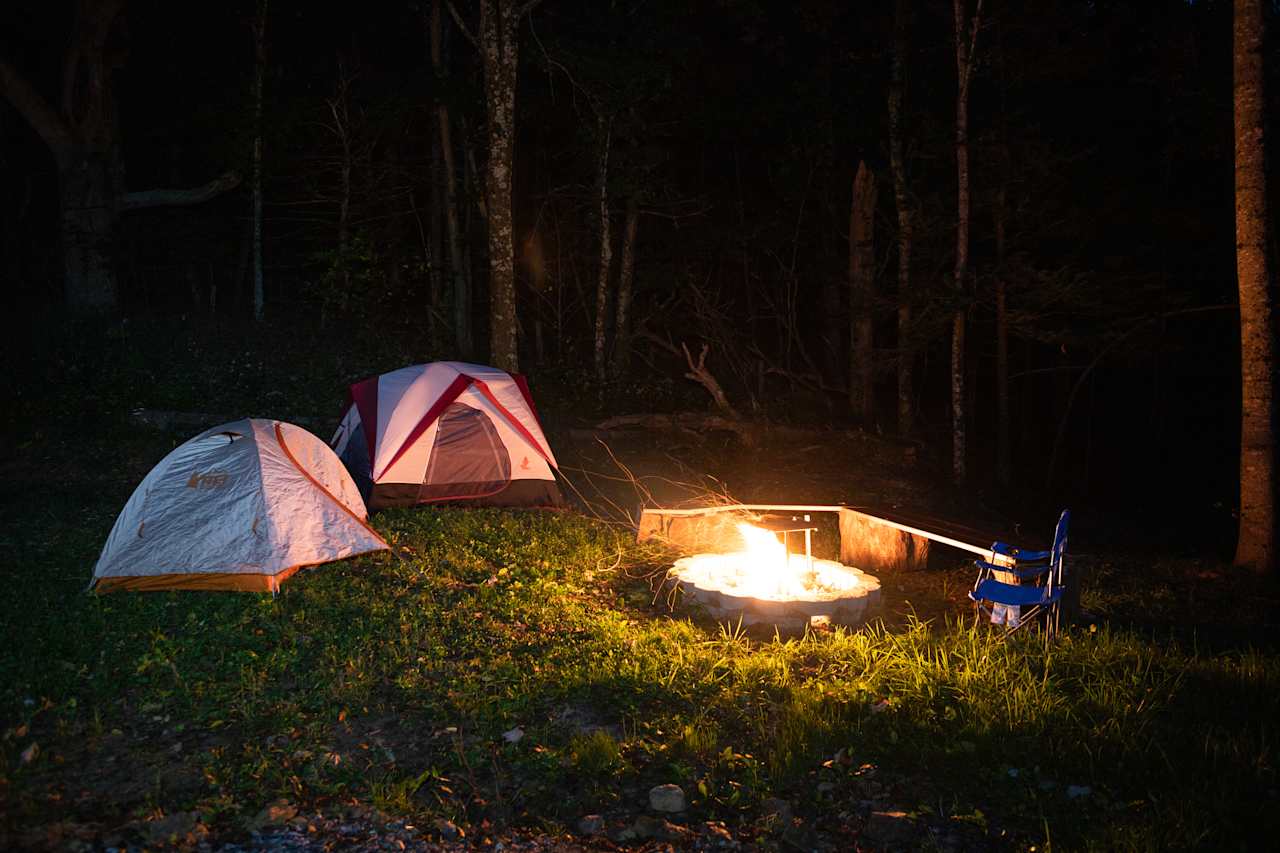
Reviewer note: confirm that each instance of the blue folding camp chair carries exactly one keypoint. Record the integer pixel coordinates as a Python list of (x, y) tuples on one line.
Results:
[(1037, 593)]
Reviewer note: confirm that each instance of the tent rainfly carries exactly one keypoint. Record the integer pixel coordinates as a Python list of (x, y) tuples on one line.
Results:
[(446, 432), (241, 506)]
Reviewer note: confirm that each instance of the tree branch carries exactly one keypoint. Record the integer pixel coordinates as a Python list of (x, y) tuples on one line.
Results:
[(699, 373), (457, 19), (178, 198), (42, 117), (973, 45)]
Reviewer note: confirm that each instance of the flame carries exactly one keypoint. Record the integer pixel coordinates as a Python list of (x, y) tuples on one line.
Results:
[(762, 546), (763, 569), (762, 564)]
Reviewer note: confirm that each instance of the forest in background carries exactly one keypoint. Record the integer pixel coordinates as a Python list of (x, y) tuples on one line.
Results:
[(708, 157)]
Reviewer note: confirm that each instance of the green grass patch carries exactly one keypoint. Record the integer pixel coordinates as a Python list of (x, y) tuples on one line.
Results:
[(392, 679)]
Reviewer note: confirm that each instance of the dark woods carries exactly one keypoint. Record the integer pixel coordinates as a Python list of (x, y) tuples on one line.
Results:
[(1014, 219)]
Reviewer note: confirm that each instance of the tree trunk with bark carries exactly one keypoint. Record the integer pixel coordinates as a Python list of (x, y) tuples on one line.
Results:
[(966, 36), (606, 250), (1256, 545), (897, 164), (862, 261), (626, 277), (499, 53)]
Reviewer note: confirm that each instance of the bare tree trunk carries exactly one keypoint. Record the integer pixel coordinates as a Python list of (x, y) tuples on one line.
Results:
[(626, 275), (499, 53), (339, 109), (966, 35), (259, 74), (862, 261), (88, 187), (458, 265), (897, 163), (535, 263), (1004, 466), (1256, 545), (1004, 462), (606, 249), (434, 242)]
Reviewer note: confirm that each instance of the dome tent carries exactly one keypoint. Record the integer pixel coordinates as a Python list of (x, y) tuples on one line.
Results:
[(241, 506), (446, 432)]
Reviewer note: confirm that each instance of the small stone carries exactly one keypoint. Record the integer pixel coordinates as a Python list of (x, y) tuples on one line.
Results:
[(1076, 791), (275, 814), (448, 830), (514, 735), (666, 798), (31, 753), (592, 824), (825, 787)]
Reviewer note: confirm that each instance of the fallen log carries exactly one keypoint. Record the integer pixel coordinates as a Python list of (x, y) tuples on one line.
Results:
[(693, 422)]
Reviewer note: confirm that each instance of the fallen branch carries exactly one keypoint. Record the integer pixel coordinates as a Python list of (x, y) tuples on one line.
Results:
[(699, 373), (697, 422)]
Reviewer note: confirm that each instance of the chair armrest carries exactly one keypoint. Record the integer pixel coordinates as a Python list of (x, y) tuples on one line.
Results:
[(1023, 574), (1004, 549)]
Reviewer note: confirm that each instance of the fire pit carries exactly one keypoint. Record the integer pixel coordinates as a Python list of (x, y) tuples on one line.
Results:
[(764, 584)]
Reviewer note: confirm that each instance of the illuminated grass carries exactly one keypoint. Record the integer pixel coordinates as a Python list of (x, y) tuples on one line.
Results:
[(391, 680)]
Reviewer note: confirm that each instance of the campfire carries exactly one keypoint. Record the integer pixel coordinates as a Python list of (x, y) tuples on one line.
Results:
[(764, 583)]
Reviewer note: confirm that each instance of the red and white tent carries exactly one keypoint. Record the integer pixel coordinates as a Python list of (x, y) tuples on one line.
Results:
[(446, 432)]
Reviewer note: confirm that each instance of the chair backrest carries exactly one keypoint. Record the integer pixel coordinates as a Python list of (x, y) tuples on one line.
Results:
[(1057, 555)]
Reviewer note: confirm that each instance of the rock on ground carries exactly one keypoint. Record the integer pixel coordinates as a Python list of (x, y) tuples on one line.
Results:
[(666, 798)]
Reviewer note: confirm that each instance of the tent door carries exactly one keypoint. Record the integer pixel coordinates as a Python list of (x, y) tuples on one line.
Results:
[(355, 456), (468, 459)]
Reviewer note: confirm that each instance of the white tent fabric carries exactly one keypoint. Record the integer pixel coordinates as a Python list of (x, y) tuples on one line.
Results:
[(400, 424), (241, 506)]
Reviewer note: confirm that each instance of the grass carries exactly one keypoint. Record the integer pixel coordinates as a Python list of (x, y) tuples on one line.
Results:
[(391, 680)]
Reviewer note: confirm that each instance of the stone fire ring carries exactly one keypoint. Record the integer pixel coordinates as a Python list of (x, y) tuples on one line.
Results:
[(849, 609)]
